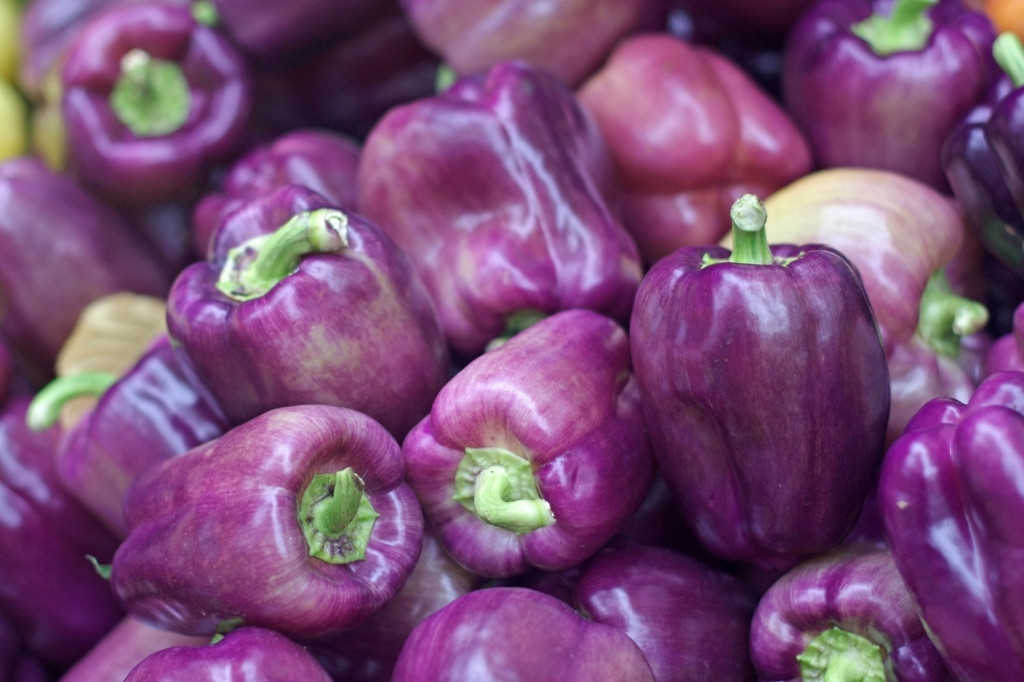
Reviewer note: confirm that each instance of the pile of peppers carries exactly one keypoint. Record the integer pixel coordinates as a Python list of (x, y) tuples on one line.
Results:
[(512, 340)]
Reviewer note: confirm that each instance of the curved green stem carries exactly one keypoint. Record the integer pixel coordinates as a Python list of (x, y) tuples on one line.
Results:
[(151, 97), (337, 517), (837, 655), (908, 27), (254, 267), (946, 316), (498, 486), (749, 239), (44, 410), (1009, 54)]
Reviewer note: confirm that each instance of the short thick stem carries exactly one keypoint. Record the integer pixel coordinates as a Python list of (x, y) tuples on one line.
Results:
[(908, 27), (945, 316), (1009, 54), (749, 240), (44, 410), (151, 97), (498, 486), (337, 517), (837, 655)]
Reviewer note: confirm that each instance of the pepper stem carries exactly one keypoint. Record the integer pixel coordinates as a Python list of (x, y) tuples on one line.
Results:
[(498, 487), (945, 316), (337, 517), (837, 655), (749, 239), (255, 266), (907, 27), (1009, 54), (151, 96), (44, 410)]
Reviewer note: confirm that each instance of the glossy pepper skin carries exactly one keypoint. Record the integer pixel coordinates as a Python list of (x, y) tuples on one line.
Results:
[(151, 99), (535, 454), (843, 612), (248, 653), (516, 634), (497, 189), (891, 57), (951, 500), (331, 311), (648, 98), (765, 390), (298, 520), (1002, 131)]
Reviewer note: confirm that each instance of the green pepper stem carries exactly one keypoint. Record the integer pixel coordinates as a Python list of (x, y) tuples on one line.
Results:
[(907, 27), (515, 323), (837, 655), (749, 239), (1009, 54), (254, 267), (337, 517), (44, 410), (945, 317), (499, 487), (205, 12), (151, 96)]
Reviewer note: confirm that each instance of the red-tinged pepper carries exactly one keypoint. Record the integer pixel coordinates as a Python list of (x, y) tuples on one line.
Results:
[(952, 496), (650, 96), (298, 520), (765, 390), (151, 100)]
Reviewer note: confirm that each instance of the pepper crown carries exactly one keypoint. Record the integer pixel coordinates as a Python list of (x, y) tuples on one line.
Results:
[(945, 317), (837, 655), (498, 487), (44, 410), (151, 96), (337, 517), (908, 27)]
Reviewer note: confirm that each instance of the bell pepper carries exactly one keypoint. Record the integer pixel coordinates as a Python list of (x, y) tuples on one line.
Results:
[(263, 326), (151, 100), (843, 615), (496, 188), (765, 390), (1003, 130), (53, 596), (248, 653), (652, 94), (691, 621), (918, 263), (319, 159), (860, 78), (515, 634), (951, 498), (298, 520), (41, 210), (535, 454)]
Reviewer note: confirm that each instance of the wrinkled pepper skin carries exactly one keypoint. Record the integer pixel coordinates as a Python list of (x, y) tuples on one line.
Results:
[(322, 160), (556, 412), (218, 535), (690, 620), (649, 96), (766, 393), (245, 654), (496, 188), (39, 209), (885, 115), (281, 345), (951, 499), (846, 610), (50, 592), (160, 139), (516, 634)]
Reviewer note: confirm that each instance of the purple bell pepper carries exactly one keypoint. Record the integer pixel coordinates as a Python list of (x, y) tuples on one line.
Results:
[(298, 520), (1003, 132), (952, 497), (151, 100), (245, 654), (860, 77), (309, 305), (40, 209), (843, 615), (157, 410), (535, 454), (496, 188), (322, 160), (691, 621), (765, 389), (515, 634)]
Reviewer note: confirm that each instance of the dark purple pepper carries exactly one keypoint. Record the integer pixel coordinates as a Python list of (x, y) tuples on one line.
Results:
[(535, 454), (516, 634), (298, 520), (1002, 132), (245, 654), (765, 389), (151, 100)]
